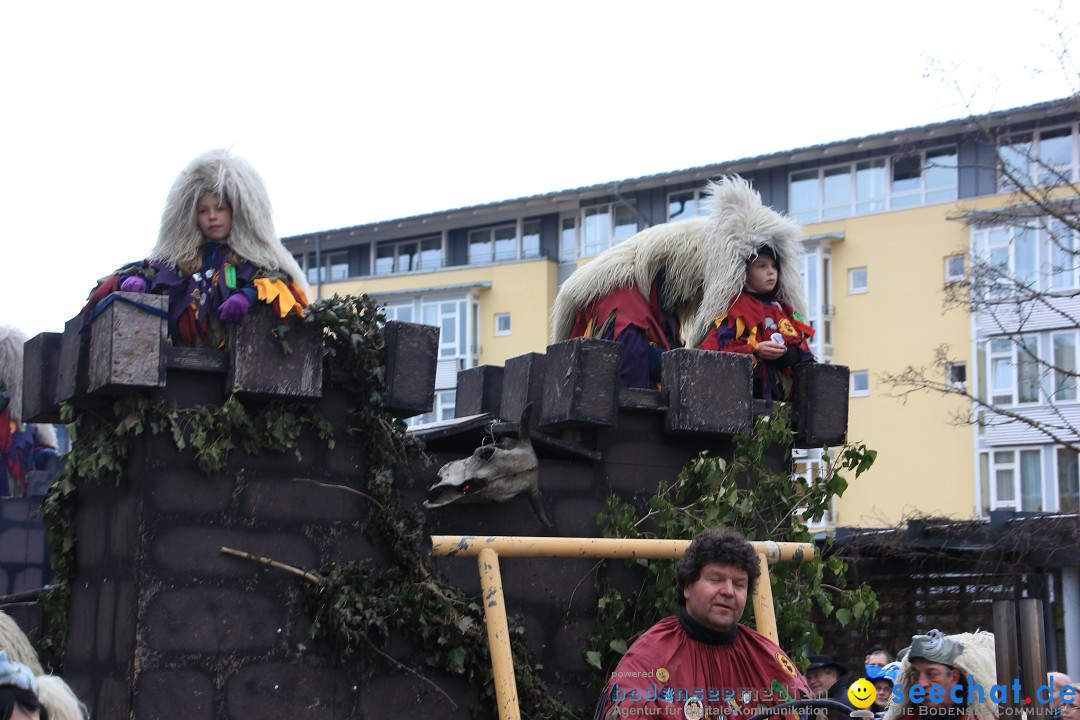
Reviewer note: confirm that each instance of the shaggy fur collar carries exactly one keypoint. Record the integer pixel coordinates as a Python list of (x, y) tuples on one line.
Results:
[(703, 260), (12, 340), (253, 236)]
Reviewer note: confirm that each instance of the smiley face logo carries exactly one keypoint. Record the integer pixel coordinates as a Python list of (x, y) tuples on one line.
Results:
[(662, 674), (862, 693)]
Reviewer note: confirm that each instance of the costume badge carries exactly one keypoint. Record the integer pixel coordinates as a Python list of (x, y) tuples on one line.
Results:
[(694, 709), (786, 663), (662, 674)]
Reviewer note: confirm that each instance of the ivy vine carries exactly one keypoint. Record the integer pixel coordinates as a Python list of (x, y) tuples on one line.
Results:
[(762, 504), (354, 606)]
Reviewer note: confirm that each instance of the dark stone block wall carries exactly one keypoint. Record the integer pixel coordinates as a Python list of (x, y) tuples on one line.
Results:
[(24, 554), (165, 626)]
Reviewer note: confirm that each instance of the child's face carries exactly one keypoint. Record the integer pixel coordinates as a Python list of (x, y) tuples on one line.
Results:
[(215, 217), (761, 274)]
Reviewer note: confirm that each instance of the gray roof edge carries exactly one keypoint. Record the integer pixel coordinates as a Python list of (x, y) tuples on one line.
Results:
[(971, 122)]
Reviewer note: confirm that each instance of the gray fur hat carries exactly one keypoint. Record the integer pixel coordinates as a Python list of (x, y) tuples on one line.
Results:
[(253, 237)]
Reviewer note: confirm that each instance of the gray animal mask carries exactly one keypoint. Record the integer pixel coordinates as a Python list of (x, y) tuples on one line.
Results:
[(493, 473)]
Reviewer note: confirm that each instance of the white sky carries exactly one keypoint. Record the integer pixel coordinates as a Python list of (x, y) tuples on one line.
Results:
[(361, 111)]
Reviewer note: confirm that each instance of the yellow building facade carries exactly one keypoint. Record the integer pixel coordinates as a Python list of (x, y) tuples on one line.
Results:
[(890, 221)]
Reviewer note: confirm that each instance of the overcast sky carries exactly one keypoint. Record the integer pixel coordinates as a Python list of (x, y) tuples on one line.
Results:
[(362, 111)]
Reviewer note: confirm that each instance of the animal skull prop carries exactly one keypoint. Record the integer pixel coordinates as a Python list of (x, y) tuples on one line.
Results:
[(495, 472)]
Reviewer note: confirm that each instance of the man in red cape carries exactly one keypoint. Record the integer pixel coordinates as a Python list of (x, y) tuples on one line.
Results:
[(702, 662)]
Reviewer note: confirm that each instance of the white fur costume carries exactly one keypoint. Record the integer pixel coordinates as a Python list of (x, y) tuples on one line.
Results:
[(703, 261), (253, 237), (977, 659), (55, 694)]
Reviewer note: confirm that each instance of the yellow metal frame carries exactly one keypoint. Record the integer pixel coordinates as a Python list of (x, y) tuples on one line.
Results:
[(488, 549)]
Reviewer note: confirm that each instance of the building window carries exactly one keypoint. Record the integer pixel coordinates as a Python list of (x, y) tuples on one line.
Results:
[(604, 226), (1044, 157), (869, 186), (1020, 260), (957, 375), (497, 244), (860, 383), (409, 256), (1065, 368), (502, 324), (335, 267), (1015, 479), (568, 239), (954, 268), (442, 409), (449, 316), (404, 313), (1014, 370), (686, 204), (1068, 480), (857, 281), (809, 468)]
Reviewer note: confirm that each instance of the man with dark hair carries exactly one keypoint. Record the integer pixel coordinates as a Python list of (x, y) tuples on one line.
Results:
[(702, 658)]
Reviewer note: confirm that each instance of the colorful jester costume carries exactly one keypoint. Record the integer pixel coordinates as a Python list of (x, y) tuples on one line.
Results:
[(24, 447), (641, 325), (679, 668), (211, 284), (752, 318)]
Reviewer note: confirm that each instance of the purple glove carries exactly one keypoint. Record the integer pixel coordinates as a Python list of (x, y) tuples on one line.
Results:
[(234, 309), (133, 284)]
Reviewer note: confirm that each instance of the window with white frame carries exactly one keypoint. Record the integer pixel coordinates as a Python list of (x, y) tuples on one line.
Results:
[(874, 185), (502, 324), (409, 256), (604, 226), (1068, 479), (1013, 369), (568, 239), (1065, 368), (496, 244), (1046, 156), (954, 268), (1041, 257), (442, 409), (450, 317), (686, 204), (335, 267), (808, 468), (860, 383), (402, 312), (1014, 479), (857, 281)]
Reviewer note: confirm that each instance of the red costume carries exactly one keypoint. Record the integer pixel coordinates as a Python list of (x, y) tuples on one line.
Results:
[(751, 319), (640, 325), (677, 660)]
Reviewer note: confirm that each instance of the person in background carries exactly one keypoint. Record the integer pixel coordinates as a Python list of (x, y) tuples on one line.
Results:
[(883, 679), (878, 656), (19, 692), (1057, 681)]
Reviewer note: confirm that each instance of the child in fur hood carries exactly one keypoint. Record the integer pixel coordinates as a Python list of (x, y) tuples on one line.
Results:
[(217, 254), (767, 329)]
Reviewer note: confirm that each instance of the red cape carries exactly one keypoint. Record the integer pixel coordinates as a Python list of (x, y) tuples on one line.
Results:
[(730, 680)]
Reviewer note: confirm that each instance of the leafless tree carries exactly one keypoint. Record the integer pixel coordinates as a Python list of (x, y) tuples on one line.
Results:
[(1020, 283)]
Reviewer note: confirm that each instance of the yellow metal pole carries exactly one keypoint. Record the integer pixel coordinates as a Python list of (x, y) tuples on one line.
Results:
[(511, 546), (502, 658), (764, 612)]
